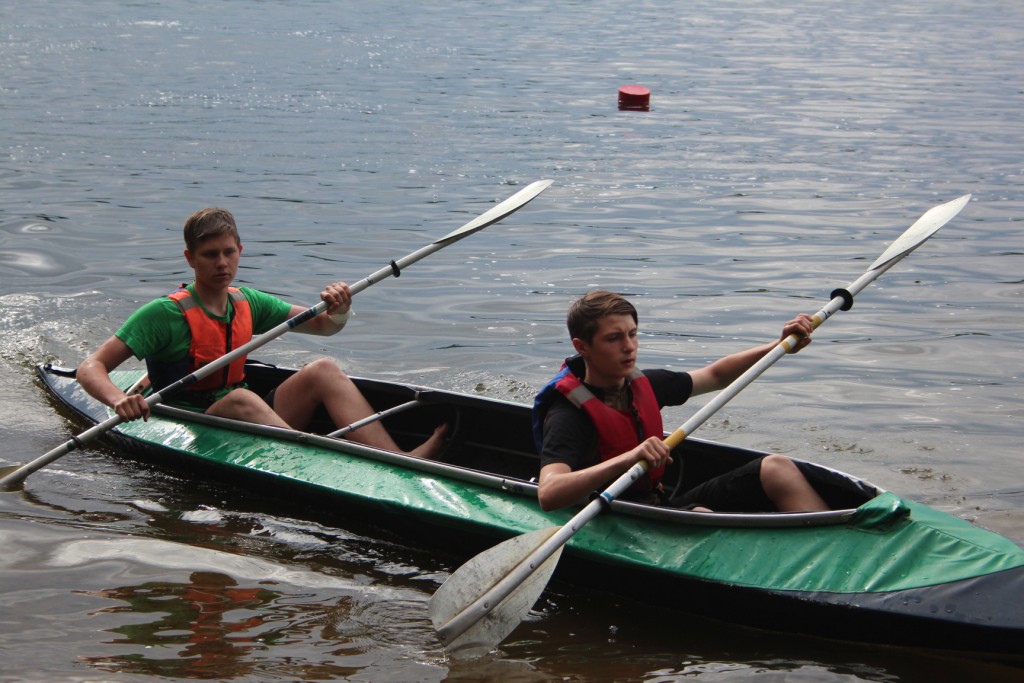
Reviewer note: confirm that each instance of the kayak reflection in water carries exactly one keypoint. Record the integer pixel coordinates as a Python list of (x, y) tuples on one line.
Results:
[(192, 617)]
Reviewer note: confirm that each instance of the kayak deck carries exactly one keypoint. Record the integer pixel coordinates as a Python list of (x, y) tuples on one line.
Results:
[(879, 568)]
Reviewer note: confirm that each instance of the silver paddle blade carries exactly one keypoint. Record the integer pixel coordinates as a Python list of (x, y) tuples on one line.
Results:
[(496, 213), (925, 227), (473, 579)]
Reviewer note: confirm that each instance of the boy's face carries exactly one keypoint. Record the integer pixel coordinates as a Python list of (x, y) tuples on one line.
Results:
[(215, 261), (611, 355)]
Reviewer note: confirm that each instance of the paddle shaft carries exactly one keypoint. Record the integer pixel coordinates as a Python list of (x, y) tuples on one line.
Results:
[(400, 408), (842, 299), (491, 216), (785, 346)]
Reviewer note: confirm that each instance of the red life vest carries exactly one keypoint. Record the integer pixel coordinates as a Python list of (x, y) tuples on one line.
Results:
[(619, 430), (211, 338)]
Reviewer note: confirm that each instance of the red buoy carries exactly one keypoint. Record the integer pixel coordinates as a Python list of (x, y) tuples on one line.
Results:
[(634, 97)]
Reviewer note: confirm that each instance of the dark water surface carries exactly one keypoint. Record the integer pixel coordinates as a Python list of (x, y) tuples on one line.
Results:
[(786, 145)]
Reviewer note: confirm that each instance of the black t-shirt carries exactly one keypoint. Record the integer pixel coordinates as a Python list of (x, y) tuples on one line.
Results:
[(569, 435)]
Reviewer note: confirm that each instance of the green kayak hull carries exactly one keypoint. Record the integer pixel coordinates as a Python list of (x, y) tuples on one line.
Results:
[(879, 569)]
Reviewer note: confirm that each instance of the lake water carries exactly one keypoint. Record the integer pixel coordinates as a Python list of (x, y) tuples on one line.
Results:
[(786, 145)]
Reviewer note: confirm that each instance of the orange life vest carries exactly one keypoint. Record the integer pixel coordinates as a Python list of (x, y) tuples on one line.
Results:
[(211, 339)]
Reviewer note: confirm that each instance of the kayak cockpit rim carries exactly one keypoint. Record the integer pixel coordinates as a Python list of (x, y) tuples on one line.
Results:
[(511, 485), (464, 471)]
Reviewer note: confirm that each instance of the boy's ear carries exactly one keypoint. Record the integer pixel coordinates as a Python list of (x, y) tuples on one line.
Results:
[(580, 345)]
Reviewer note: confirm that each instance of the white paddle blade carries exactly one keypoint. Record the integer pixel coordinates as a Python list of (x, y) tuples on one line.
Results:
[(926, 226), (496, 213), (473, 579)]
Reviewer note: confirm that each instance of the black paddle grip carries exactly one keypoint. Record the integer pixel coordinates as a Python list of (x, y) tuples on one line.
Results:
[(847, 298)]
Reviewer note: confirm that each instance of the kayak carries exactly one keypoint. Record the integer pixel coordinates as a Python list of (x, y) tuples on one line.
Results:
[(877, 568)]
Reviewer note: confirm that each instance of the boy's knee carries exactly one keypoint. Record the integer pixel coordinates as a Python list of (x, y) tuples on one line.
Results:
[(240, 396), (777, 468), (325, 366), (239, 403)]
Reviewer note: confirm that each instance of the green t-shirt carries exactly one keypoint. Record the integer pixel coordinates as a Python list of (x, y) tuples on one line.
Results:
[(158, 330)]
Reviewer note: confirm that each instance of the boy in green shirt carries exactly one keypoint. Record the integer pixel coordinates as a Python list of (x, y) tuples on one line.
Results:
[(192, 327)]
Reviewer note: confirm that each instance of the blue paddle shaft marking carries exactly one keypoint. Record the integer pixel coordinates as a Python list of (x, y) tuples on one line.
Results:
[(307, 314)]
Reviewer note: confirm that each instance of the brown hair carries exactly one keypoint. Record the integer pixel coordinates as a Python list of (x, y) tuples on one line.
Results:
[(585, 312), (212, 222)]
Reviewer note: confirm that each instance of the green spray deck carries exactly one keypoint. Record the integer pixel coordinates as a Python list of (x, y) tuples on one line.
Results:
[(877, 569)]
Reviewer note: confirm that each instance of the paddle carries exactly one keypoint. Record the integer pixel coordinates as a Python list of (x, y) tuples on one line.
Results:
[(12, 476), (376, 417), (486, 598)]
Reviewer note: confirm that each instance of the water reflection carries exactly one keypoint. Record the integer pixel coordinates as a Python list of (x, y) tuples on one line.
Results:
[(211, 625), (788, 143)]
